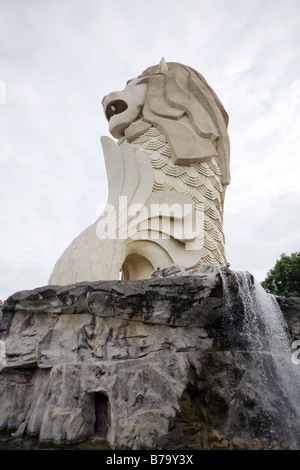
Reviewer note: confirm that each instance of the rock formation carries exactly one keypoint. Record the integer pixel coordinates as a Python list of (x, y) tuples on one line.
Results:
[(290, 307), (141, 364)]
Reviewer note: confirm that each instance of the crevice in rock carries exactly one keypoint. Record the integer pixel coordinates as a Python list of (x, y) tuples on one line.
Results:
[(102, 413)]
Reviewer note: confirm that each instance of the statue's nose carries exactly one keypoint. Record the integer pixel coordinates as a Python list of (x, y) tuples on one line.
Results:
[(109, 98), (112, 104)]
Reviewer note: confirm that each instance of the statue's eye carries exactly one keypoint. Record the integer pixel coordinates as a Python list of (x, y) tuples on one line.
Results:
[(115, 107)]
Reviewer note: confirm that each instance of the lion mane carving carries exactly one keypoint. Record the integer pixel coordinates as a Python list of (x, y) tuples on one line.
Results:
[(168, 170)]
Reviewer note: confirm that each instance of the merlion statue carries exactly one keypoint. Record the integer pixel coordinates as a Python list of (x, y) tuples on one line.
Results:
[(167, 176)]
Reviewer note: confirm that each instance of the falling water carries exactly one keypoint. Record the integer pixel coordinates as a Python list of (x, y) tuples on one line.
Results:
[(265, 336)]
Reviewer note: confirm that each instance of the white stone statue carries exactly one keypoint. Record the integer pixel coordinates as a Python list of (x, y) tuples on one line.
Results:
[(167, 176)]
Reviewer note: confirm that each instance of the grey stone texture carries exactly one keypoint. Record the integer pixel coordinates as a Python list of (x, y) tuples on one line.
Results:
[(151, 358), (290, 307)]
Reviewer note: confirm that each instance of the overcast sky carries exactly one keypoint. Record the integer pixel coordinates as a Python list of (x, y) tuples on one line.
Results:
[(58, 58)]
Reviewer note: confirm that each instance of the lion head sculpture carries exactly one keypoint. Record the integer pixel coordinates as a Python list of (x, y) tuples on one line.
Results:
[(179, 102)]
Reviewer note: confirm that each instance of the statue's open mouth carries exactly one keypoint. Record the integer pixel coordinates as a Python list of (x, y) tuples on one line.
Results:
[(115, 107)]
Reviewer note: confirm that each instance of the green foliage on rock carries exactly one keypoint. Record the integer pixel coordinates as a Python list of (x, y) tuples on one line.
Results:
[(284, 278)]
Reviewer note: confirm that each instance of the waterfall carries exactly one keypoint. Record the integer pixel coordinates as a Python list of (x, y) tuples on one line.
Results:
[(256, 326)]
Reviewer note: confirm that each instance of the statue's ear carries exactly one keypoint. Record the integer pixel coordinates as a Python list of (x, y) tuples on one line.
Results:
[(156, 104), (178, 93)]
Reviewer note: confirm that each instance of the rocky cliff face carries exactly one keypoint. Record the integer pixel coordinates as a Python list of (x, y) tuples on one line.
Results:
[(141, 364), (290, 307)]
